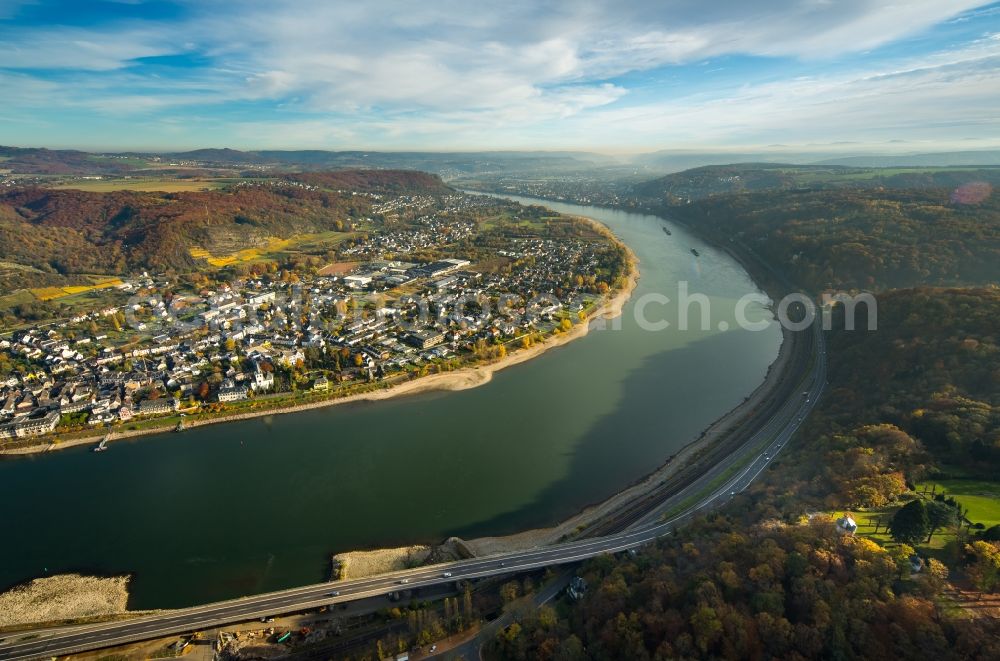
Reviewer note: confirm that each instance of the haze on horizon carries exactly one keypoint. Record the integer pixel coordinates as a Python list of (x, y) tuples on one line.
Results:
[(852, 75)]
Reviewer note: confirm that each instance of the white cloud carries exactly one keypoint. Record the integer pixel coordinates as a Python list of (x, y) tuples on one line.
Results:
[(444, 55), (516, 71), (948, 101), (79, 48)]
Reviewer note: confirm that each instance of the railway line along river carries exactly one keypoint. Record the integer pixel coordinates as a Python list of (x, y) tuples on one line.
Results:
[(257, 505)]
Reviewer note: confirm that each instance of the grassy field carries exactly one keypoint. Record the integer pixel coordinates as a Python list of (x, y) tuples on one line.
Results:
[(152, 184), (19, 297), (507, 220), (866, 524), (866, 528), (980, 497), (321, 241)]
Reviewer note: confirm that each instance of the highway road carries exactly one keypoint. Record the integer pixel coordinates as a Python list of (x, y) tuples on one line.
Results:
[(713, 489)]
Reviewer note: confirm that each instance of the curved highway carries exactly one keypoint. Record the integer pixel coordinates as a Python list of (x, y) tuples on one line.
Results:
[(713, 489)]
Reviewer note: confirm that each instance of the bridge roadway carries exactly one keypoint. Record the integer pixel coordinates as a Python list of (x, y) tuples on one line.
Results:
[(707, 494)]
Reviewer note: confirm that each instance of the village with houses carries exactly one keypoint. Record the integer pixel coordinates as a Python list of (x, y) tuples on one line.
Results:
[(473, 291)]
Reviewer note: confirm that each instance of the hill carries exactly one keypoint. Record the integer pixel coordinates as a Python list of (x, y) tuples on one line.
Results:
[(676, 160), (712, 180), (375, 181), (36, 161), (70, 231), (59, 161), (861, 238), (929, 376), (978, 157)]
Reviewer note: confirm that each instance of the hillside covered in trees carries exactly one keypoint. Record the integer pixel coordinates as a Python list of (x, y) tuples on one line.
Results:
[(713, 180), (70, 231), (860, 238), (917, 396)]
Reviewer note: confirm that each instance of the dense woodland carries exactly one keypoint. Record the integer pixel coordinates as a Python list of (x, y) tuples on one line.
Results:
[(860, 238), (731, 588), (713, 180), (932, 368)]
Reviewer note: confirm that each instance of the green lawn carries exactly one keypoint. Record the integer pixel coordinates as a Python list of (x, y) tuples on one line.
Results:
[(866, 527), (21, 296), (981, 497)]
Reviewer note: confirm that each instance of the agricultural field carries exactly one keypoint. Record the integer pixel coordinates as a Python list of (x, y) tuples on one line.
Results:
[(52, 293), (274, 247), (245, 256), (508, 221), (338, 268), (151, 184)]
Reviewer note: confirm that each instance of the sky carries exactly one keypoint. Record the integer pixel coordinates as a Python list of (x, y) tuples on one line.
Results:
[(614, 76)]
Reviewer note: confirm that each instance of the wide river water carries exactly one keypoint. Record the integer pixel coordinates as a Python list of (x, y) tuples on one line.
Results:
[(258, 505)]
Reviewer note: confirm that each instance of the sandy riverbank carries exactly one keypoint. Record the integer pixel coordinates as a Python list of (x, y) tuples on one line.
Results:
[(358, 564), (63, 597), (460, 379)]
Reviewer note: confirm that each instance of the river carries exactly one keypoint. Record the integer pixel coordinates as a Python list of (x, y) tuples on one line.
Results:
[(240, 508)]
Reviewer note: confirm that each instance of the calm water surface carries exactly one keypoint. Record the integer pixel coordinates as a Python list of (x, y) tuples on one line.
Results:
[(258, 505)]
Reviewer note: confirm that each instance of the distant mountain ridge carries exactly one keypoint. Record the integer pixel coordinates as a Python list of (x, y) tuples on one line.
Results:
[(29, 160), (72, 162), (675, 161), (944, 159), (710, 180)]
